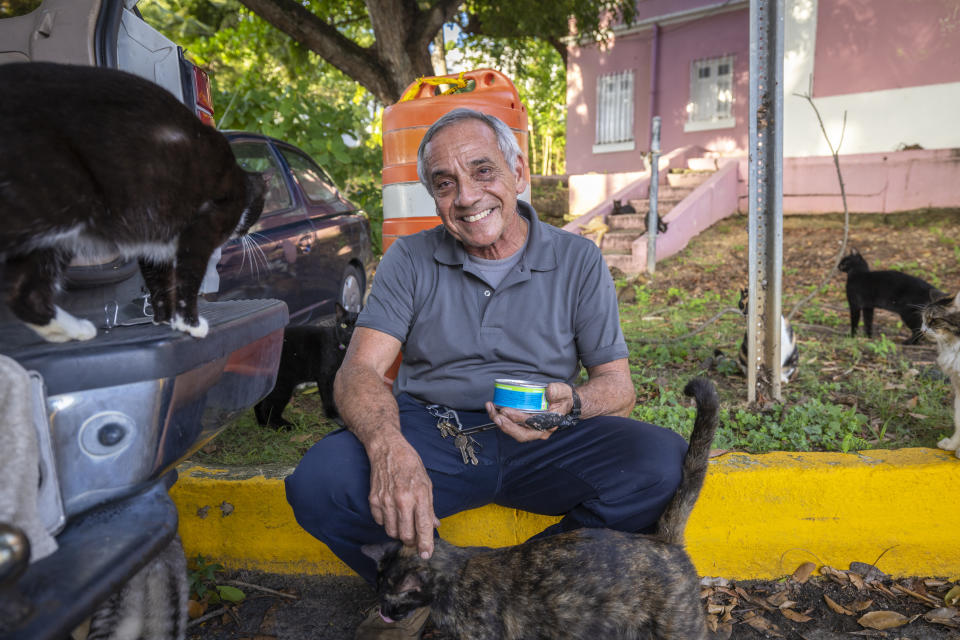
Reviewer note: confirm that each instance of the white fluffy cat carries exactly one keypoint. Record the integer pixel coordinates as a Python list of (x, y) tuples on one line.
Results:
[(941, 321)]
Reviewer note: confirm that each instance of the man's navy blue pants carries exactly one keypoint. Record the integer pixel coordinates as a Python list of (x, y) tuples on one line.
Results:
[(606, 471)]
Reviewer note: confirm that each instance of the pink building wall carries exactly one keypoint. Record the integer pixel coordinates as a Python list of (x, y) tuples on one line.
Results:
[(885, 44), (861, 47), (583, 68), (678, 45)]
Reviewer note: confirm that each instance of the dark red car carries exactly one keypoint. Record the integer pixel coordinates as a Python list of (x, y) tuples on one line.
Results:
[(313, 244)]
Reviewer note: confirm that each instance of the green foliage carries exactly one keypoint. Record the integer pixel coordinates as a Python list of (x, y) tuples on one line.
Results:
[(882, 346), (811, 425), (264, 82), (14, 8), (545, 20), (202, 581), (244, 442), (539, 74)]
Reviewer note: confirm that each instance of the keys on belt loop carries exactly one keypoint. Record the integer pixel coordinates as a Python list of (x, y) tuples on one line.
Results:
[(448, 422)]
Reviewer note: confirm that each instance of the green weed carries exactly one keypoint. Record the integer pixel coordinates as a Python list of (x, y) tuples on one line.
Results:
[(203, 585)]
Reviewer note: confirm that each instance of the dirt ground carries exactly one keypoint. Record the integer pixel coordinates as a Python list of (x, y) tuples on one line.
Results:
[(330, 608), (832, 603), (922, 243)]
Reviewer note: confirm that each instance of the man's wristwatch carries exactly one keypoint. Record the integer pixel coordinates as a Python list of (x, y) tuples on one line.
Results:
[(575, 412)]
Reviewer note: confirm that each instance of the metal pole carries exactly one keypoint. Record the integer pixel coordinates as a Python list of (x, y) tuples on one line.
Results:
[(654, 187), (765, 193)]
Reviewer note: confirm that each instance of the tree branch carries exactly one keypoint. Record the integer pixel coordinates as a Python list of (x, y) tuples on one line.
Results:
[(361, 64), (843, 194)]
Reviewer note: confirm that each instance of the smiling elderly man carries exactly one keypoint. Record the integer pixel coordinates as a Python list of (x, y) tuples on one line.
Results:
[(492, 293)]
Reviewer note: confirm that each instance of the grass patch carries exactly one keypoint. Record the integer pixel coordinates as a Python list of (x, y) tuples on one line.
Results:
[(244, 442)]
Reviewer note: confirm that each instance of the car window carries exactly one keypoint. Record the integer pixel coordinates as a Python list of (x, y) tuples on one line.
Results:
[(256, 156), (311, 178)]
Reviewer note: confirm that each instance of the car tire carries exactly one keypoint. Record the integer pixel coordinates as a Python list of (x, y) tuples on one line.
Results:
[(351, 289)]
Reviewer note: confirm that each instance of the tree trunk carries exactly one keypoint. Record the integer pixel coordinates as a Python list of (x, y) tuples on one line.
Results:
[(399, 55)]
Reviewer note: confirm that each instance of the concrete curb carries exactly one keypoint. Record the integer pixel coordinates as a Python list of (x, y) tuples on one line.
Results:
[(758, 517)]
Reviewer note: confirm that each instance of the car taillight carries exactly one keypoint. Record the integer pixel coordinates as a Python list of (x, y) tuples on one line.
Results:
[(201, 86)]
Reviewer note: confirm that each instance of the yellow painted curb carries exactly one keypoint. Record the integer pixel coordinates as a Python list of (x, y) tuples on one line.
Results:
[(758, 517)]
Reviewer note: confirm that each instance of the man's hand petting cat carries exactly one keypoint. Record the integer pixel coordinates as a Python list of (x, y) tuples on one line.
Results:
[(401, 495)]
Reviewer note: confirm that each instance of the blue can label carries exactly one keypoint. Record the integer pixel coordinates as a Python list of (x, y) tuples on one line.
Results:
[(520, 394)]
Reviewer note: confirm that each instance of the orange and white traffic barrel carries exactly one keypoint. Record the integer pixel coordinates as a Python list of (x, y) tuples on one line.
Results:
[(407, 206)]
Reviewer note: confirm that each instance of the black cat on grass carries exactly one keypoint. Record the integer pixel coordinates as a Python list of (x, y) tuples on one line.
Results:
[(94, 162), (894, 291)]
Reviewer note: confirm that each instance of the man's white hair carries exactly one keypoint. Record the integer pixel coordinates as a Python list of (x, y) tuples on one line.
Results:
[(505, 139)]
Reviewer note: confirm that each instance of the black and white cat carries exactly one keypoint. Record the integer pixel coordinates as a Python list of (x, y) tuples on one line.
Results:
[(95, 161), (941, 321), (789, 352), (894, 291), (310, 354)]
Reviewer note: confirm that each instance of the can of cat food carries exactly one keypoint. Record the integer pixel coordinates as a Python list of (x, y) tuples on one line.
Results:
[(522, 395)]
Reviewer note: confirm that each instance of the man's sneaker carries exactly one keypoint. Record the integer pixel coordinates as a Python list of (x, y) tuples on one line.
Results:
[(376, 628)]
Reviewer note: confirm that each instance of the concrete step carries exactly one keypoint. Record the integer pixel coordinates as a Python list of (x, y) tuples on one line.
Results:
[(619, 259), (666, 192), (689, 179), (619, 240), (635, 221)]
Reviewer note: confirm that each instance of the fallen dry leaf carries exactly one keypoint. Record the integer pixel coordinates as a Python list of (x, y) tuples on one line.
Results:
[(861, 605), (753, 600), (883, 620), (867, 571), (763, 625), (943, 615), (836, 607), (836, 575), (918, 416), (196, 609), (793, 615), (857, 581), (912, 402), (803, 572), (300, 437), (952, 597), (712, 623)]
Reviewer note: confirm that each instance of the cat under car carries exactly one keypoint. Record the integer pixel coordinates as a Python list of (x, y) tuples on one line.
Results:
[(587, 583), (118, 166), (895, 291), (310, 354)]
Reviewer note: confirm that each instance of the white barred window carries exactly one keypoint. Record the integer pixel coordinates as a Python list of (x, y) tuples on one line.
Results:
[(615, 112), (711, 94)]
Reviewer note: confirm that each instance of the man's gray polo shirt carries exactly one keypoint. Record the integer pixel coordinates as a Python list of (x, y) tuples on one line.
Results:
[(556, 309)]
